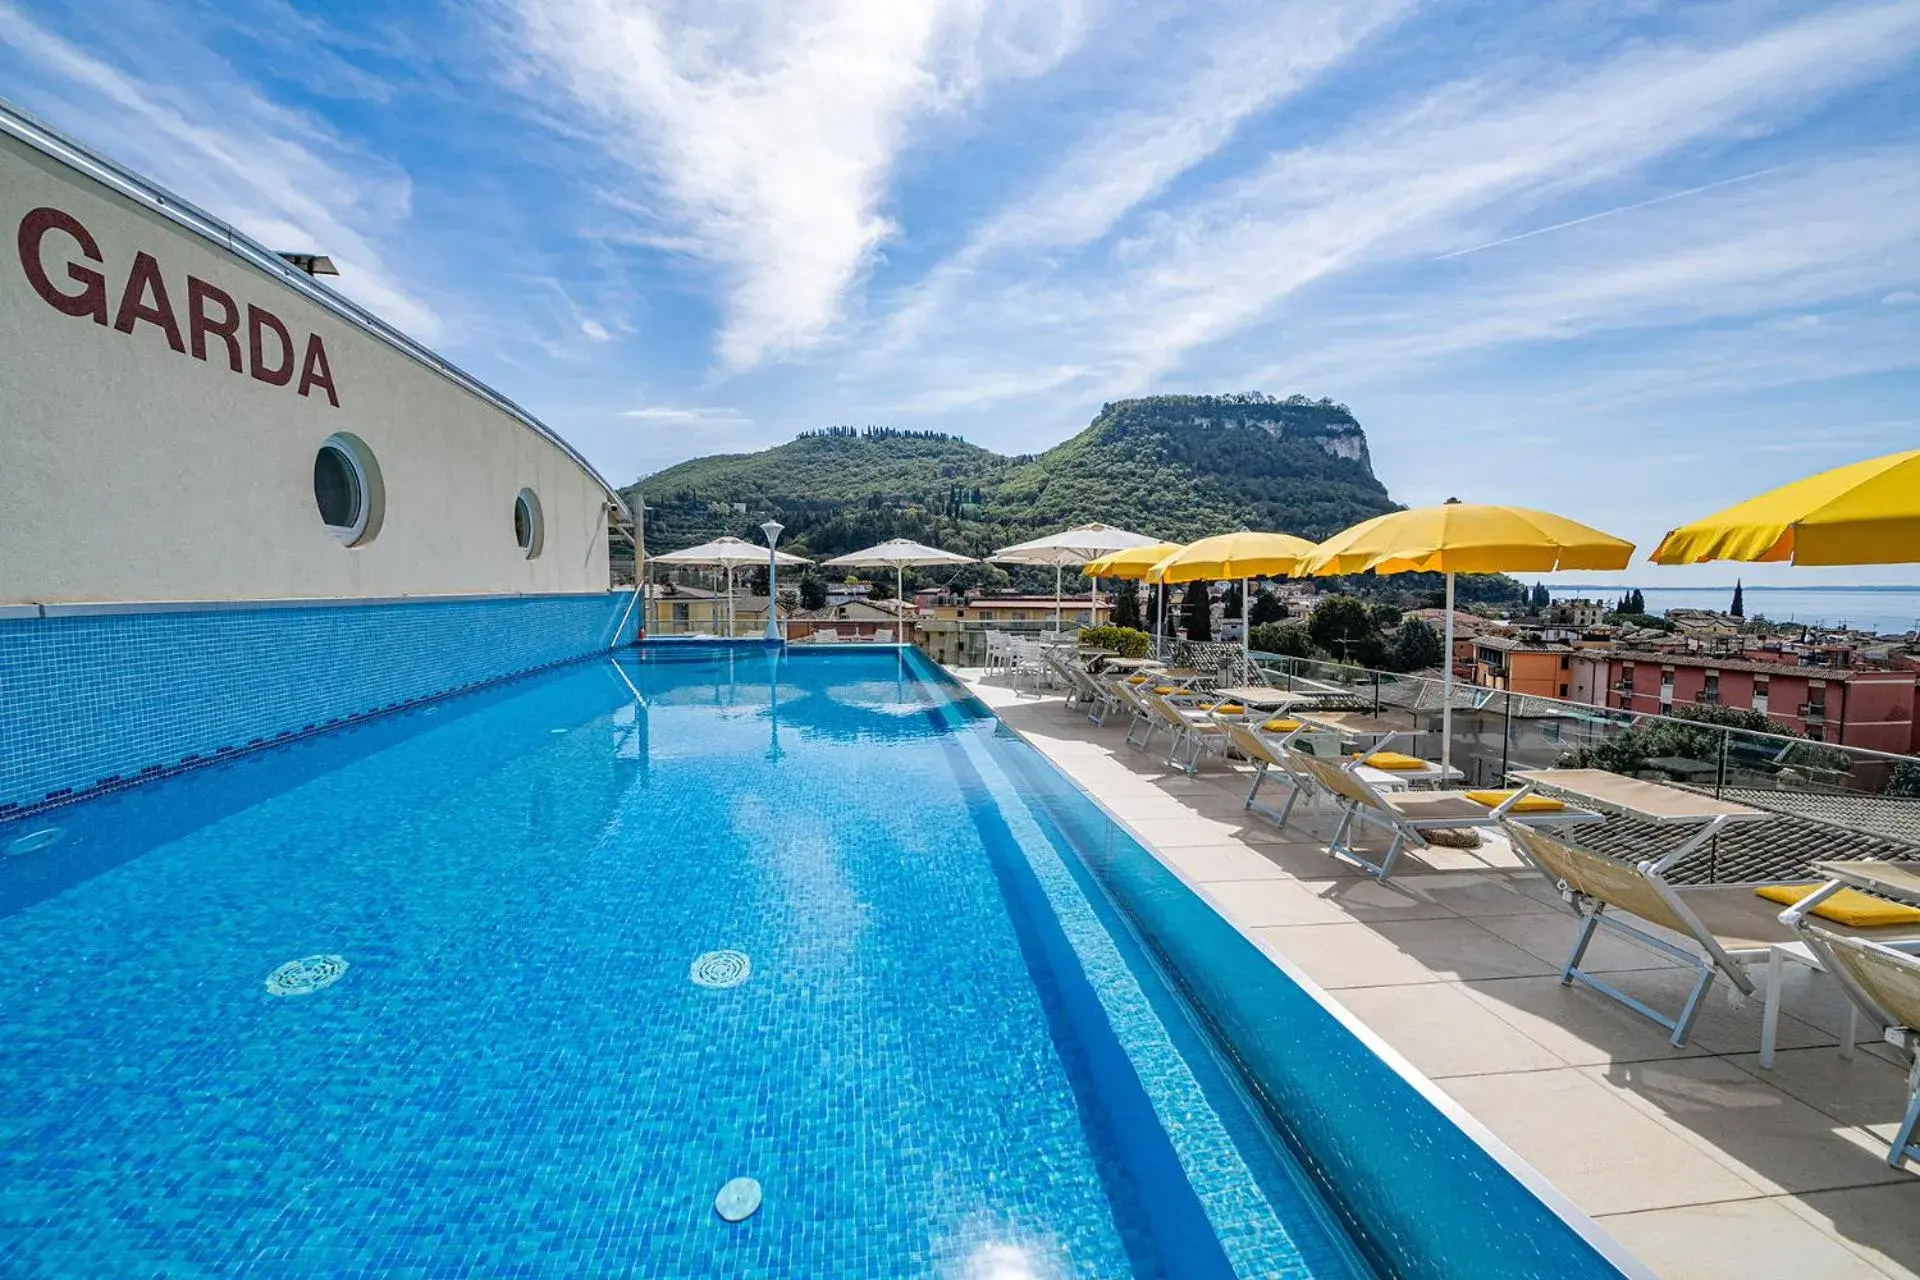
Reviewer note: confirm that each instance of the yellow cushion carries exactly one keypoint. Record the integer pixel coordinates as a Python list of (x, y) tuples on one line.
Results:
[(1203, 706), (1165, 689), (1280, 726), (1392, 760), (1532, 804), (1849, 906), (1230, 709), (1136, 679)]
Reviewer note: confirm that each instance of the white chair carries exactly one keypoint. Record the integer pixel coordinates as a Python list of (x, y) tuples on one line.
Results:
[(826, 635), (883, 635)]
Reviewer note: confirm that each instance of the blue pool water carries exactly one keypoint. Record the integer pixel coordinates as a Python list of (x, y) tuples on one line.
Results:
[(960, 1025), (516, 1074)]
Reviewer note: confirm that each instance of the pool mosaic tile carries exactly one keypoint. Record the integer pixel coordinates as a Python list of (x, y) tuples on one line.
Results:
[(98, 700)]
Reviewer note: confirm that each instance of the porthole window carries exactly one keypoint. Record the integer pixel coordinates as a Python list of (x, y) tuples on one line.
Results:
[(347, 489), (529, 530)]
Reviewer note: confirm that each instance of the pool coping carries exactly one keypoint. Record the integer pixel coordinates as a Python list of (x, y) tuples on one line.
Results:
[(1556, 1201)]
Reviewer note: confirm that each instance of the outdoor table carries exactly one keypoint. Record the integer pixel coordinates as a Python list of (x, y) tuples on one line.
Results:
[(1654, 803)]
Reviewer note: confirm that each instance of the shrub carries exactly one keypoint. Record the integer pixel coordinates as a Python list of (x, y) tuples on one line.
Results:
[(1125, 641), (1288, 639)]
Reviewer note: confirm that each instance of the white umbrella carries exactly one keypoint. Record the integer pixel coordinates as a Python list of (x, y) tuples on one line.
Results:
[(729, 554), (897, 554), (1073, 546)]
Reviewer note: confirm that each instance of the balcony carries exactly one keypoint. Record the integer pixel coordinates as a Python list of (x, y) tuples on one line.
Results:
[(1813, 712)]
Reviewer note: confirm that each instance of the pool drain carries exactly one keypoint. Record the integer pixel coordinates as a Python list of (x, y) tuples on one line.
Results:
[(721, 969), (738, 1200), (305, 976), (34, 841)]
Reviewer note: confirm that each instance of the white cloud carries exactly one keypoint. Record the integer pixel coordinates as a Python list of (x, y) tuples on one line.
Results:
[(1460, 167), (1229, 71), (772, 132), (280, 176), (1900, 297), (664, 413)]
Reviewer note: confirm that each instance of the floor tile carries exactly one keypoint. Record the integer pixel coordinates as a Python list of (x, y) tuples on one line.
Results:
[(1344, 955), (1363, 898), (1460, 949), (1774, 1140), (1226, 860), (1476, 894), (1442, 1032), (1579, 1026), (1862, 1090), (1550, 935), (1735, 1240), (1881, 1223), (1593, 1144)]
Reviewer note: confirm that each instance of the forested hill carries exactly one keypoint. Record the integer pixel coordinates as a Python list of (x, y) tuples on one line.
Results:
[(1176, 467)]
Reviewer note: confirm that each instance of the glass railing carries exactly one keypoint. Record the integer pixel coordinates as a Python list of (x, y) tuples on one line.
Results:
[(1495, 733)]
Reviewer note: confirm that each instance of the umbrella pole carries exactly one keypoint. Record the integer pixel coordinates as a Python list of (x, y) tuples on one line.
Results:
[(1246, 635), (900, 600), (1056, 598), (1093, 603), (729, 602), (1446, 687)]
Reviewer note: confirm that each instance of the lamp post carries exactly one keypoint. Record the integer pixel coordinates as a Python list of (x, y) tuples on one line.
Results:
[(773, 529)]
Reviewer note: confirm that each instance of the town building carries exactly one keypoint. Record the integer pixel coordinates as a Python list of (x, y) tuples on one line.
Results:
[(1539, 667), (1852, 706), (1000, 609)]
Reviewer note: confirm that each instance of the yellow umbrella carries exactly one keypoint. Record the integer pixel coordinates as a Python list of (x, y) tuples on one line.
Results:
[(1132, 563), (1865, 513), (1465, 537), (1240, 555)]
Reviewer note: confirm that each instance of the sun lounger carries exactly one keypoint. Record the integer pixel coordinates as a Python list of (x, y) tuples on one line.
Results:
[(1189, 728), (1410, 814), (1884, 982), (1092, 695), (1270, 757), (883, 635), (1728, 924), (825, 635)]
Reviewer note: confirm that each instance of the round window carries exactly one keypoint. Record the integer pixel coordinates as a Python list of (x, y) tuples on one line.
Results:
[(529, 530), (346, 489)]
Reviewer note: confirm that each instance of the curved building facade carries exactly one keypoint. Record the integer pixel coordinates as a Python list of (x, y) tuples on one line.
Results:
[(273, 511)]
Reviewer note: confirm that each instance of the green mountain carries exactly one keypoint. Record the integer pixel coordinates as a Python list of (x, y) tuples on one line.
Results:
[(1176, 467)]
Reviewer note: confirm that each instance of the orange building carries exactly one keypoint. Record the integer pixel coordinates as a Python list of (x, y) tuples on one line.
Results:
[(1523, 666)]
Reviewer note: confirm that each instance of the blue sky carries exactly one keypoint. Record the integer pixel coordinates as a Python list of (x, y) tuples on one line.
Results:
[(1627, 261)]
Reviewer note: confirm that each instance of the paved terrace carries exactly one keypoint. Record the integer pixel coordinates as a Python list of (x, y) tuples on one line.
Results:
[(1698, 1161)]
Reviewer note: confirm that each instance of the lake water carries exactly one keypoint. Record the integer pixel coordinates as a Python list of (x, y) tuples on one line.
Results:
[(1882, 609)]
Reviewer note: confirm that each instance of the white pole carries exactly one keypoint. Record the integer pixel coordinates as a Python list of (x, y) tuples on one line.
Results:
[(1246, 639), (1093, 603), (900, 600), (1056, 597), (1446, 686), (729, 602)]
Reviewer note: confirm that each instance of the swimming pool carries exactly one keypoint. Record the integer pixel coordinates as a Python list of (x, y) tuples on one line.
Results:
[(587, 946)]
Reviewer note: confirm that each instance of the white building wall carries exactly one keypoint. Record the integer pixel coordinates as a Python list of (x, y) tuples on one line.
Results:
[(132, 472)]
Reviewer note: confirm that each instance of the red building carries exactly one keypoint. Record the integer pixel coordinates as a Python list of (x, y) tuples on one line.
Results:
[(1853, 706)]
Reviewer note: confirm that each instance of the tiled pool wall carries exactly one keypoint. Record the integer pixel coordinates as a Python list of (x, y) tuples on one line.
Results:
[(94, 697)]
